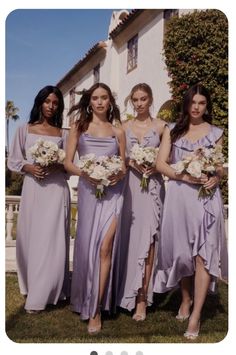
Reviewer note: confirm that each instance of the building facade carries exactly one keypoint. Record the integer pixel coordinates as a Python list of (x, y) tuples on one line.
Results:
[(132, 53)]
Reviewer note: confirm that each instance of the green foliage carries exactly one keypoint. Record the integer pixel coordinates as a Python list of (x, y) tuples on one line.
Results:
[(196, 50), (13, 182), (129, 116), (168, 111)]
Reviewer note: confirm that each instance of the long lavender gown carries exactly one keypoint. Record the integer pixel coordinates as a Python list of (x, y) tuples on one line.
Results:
[(43, 227), (140, 226), (191, 226), (94, 218)]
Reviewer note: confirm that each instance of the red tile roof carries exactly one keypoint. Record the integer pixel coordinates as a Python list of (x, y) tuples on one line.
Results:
[(75, 68), (122, 25)]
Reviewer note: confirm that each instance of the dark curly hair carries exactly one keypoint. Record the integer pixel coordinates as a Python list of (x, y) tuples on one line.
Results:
[(85, 115), (35, 114), (182, 124)]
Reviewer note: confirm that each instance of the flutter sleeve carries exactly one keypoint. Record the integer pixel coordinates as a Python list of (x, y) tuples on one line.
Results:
[(17, 158)]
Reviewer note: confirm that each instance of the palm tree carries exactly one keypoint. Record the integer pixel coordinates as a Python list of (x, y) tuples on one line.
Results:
[(10, 113)]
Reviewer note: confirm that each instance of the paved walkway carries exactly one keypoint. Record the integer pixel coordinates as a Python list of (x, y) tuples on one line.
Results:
[(10, 255)]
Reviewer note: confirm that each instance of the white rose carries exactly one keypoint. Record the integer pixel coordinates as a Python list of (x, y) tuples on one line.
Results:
[(179, 167), (195, 169)]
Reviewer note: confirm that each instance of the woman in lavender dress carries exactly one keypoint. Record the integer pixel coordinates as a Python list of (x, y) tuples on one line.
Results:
[(192, 246), (42, 241), (98, 219), (142, 210)]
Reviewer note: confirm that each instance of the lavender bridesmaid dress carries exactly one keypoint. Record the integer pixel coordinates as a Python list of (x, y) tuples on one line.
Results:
[(94, 218), (43, 227), (140, 226), (191, 226)]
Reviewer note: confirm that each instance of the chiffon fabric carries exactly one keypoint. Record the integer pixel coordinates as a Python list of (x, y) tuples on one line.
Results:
[(94, 219), (191, 226), (140, 227), (43, 227)]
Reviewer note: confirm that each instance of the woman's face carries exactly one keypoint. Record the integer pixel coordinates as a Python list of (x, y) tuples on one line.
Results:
[(141, 101), (100, 101), (198, 106), (50, 106)]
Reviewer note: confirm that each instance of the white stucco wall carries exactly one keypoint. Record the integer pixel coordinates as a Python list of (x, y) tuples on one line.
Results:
[(150, 68)]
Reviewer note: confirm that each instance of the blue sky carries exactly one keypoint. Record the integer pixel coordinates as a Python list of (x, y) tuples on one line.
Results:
[(43, 45)]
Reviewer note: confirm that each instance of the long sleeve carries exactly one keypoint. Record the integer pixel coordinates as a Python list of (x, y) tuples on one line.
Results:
[(17, 158)]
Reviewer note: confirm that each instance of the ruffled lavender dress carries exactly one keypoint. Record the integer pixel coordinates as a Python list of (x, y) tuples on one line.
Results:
[(43, 227), (94, 219), (140, 227), (191, 226)]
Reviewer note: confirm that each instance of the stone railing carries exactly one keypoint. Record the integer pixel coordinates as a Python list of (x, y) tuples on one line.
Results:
[(12, 209)]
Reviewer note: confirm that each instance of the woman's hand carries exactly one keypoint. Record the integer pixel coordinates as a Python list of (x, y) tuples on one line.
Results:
[(150, 170), (212, 182), (193, 180), (92, 181), (139, 168), (114, 178), (36, 170)]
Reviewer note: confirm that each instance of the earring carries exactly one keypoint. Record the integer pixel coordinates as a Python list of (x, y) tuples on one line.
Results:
[(89, 110), (206, 112)]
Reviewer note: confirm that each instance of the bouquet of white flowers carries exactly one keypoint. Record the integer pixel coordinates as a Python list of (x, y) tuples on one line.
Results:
[(100, 168), (202, 161), (46, 153), (144, 156)]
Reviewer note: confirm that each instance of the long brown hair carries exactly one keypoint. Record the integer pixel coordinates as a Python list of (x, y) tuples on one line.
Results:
[(182, 125), (86, 115)]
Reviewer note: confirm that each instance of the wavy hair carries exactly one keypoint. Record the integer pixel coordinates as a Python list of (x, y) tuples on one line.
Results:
[(141, 86), (182, 124), (36, 111), (86, 115)]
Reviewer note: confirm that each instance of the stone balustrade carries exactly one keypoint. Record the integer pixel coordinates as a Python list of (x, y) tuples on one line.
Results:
[(12, 209)]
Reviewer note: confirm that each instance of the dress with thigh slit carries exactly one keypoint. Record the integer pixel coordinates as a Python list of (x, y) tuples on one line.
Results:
[(94, 219)]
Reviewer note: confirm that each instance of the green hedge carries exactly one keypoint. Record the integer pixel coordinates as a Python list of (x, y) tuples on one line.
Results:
[(196, 50)]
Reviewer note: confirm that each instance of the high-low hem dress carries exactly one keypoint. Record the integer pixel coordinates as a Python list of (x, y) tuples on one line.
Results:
[(191, 226), (94, 219), (140, 227), (43, 227)]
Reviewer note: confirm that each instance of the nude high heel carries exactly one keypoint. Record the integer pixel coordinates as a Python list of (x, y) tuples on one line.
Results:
[(95, 329), (140, 316), (192, 335), (182, 318)]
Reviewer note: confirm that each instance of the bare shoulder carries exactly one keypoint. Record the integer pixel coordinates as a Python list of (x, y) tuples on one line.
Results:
[(119, 131), (125, 124), (73, 131), (159, 125)]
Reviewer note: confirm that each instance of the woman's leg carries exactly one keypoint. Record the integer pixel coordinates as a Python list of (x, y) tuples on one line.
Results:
[(186, 292), (141, 300), (201, 285), (105, 265)]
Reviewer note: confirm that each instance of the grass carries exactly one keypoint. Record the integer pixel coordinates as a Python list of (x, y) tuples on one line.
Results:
[(57, 324)]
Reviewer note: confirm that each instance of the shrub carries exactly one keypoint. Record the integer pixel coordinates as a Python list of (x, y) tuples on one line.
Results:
[(196, 50)]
